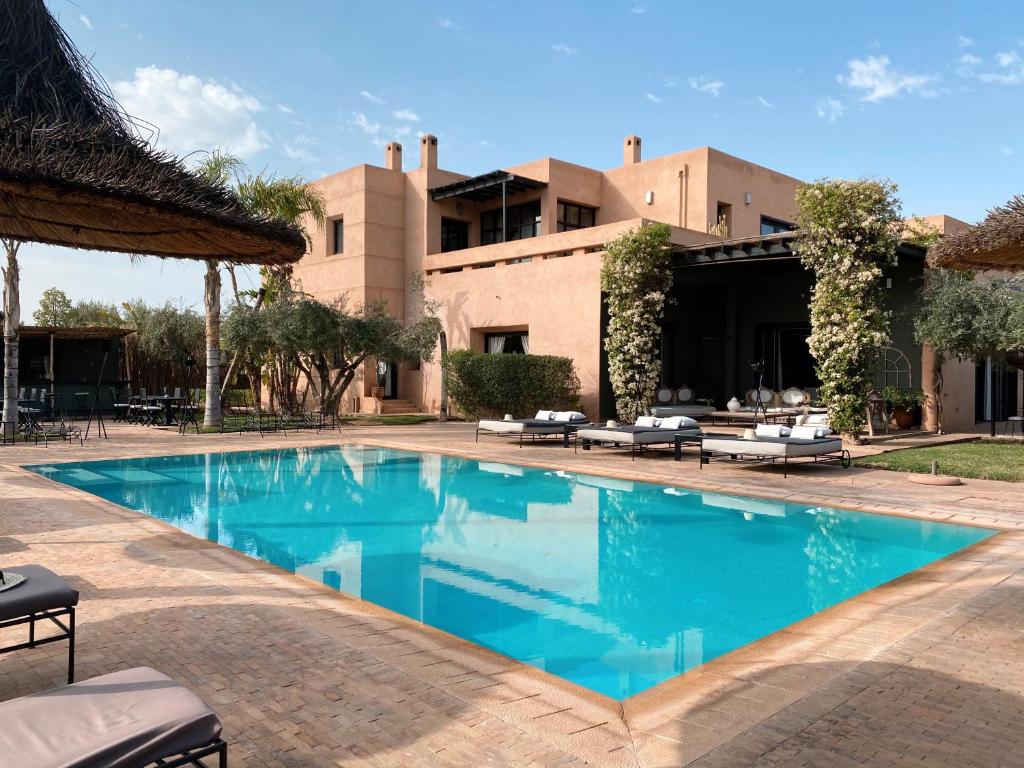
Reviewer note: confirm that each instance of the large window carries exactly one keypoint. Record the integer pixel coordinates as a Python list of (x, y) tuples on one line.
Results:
[(338, 243), (516, 342), (454, 235), (770, 226), (571, 216), (523, 222)]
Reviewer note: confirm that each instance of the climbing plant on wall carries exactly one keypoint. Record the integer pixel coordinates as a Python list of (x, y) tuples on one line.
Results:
[(636, 276), (848, 236)]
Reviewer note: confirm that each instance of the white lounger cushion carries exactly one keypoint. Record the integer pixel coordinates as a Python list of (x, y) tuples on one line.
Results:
[(121, 720), (646, 421), (542, 415), (810, 432), (568, 416), (676, 422), (772, 430), (517, 427), (645, 437), (778, 447)]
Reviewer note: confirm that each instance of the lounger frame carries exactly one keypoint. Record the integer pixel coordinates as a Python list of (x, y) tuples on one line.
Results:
[(194, 757), (566, 432), (841, 457), (53, 614), (634, 448)]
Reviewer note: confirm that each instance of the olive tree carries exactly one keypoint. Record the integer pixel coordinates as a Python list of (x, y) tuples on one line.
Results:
[(960, 316), (296, 337)]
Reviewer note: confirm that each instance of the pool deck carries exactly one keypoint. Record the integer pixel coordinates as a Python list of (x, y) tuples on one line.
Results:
[(923, 671)]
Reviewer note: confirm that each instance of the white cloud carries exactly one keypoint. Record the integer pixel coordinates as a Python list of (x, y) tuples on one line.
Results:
[(296, 152), (447, 24), (191, 113), (566, 50), (967, 64), (671, 82), (485, 143), (830, 109), (86, 21), (639, 9), (652, 98), (406, 114), (403, 130), (963, 41), (1010, 69), (361, 121), (879, 81), (371, 97), (706, 85), (287, 110), (764, 102), (1005, 150)]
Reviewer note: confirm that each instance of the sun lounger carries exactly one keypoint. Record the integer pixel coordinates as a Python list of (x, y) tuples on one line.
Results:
[(545, 424), (639, 436), (137, 717), (41, 597), (773, 449)]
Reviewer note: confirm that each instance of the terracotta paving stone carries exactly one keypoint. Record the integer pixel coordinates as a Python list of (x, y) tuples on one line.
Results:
[(924, 671)]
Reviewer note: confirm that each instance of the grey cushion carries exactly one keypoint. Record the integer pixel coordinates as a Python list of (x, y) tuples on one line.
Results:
[(42, 590), (121, 720)]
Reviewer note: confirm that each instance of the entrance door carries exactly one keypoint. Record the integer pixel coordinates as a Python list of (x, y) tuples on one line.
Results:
[(787, 359), (387, 377)]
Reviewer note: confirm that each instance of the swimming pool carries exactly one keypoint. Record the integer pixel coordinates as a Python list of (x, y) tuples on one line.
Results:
[(613, 585)]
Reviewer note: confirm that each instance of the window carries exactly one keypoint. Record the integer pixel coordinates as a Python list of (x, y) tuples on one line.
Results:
[(723, 220), (338, 243), (523, 222), (516, 343), (454, 235), (770, 226), (571, 216)]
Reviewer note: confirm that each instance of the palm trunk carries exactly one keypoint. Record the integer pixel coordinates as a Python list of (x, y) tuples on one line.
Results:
[(12, 319), (212, 415), (443, 414)]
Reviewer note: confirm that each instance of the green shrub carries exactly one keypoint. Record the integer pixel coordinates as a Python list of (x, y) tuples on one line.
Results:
[(486, 385)]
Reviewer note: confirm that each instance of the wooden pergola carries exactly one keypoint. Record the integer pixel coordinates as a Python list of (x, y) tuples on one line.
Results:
[(995, 243)]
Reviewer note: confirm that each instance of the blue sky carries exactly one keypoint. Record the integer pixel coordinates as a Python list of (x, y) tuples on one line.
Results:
[(928, 94)]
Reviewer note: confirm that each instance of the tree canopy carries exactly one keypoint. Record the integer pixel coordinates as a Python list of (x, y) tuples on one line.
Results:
[(960, 316), (324, 343)]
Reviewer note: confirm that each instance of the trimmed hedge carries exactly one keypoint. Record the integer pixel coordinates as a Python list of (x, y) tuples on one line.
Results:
[(487, 385)]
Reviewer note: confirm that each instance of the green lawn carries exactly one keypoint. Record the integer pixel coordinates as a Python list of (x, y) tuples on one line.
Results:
[(985, 459), (396, 420)]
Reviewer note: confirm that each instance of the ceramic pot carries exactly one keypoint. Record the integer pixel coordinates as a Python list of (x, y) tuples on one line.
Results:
[(733, 405)]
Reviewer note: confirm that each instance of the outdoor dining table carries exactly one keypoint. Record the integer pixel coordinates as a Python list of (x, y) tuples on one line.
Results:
[(167, 402)]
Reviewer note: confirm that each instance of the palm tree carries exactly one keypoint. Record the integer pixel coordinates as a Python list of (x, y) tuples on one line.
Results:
[(12, 319), (290, 199), (218, 168)]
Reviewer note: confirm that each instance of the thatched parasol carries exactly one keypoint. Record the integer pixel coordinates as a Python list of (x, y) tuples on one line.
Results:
[(75, 171), (996, 243)]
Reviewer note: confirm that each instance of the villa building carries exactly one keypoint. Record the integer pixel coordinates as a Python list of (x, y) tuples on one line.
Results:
[(513, 258)]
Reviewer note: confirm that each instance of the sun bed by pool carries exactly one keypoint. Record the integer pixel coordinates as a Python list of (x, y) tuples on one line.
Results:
[(563, 423), (638, 438), (136, 717), (769, 450)]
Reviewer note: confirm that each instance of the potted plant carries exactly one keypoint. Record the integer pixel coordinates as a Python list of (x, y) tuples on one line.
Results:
[(902, 403)]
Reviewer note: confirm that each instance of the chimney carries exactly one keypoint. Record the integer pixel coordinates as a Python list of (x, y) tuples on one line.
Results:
[(393, 156), (631, 150), (428, 151)]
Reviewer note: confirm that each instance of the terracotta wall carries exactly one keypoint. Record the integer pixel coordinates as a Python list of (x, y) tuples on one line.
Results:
[(557, 300)]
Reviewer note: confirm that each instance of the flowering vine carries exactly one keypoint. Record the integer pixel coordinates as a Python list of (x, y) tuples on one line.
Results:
[(848, 236), (636, 276)]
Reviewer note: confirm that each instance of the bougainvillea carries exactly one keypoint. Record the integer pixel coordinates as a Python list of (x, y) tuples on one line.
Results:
[(848, 236), (636, 277)]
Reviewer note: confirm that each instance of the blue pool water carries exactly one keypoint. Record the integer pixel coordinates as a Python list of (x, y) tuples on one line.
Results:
[(614, 585)]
